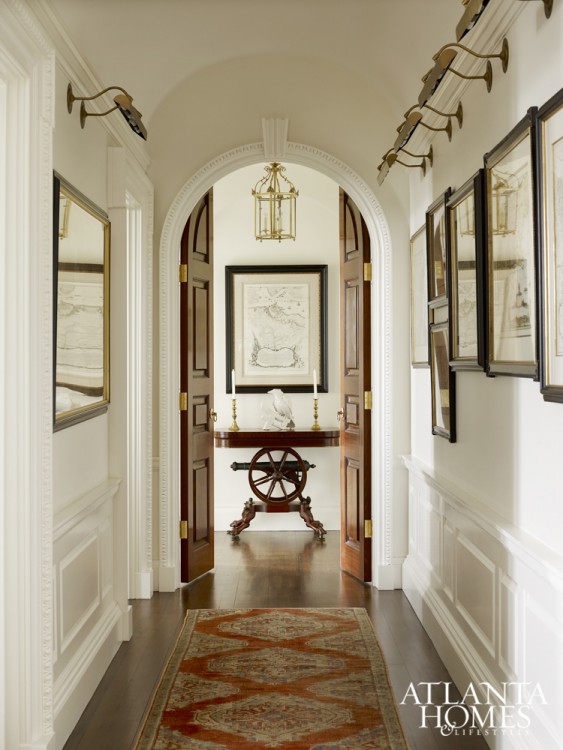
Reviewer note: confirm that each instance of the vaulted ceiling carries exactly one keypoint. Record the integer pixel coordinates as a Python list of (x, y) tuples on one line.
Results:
[(151, 46)]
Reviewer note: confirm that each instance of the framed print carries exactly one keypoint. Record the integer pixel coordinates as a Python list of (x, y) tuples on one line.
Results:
[(81, 240), (511, 253), (442, 380), (466, 277), (419, 300), (436, 250), (550, 233), (276, 328)]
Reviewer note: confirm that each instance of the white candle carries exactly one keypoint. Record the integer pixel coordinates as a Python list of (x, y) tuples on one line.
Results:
[(314, 384), (233, 384)]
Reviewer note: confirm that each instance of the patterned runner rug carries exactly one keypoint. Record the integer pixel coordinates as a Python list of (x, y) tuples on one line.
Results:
[(249, 679)]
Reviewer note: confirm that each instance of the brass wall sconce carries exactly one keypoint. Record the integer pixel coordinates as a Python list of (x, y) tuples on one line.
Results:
[(408, 127), (443, 60), (547, 7), (471, 14), (123, 102), (458, 114), (391, 157)]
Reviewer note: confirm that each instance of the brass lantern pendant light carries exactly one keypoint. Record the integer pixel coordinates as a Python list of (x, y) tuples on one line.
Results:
[(274, 208)]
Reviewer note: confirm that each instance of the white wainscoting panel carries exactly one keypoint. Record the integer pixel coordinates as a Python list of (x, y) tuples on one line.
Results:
[(491, 599), (88, 619)]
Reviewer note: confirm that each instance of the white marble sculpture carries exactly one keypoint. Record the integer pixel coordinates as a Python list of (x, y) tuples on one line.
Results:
[(278, 415)]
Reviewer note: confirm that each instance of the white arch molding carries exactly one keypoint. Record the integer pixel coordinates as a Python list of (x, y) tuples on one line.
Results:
[(363, 196)]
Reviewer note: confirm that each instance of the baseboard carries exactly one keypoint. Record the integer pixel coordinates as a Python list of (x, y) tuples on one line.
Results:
[(144, 584), (167, 578), (76, 685), (388, 577)]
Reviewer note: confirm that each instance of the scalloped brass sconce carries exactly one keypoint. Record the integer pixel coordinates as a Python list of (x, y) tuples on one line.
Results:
[(471, 14), (458, 114), (123, 102)]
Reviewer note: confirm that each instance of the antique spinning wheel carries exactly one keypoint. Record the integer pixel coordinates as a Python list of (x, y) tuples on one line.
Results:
[(277, 475)]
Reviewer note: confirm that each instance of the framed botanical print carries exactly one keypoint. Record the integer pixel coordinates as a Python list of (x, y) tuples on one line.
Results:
[(512, 253), (466, 275), (442, 380), (550, 233), (276, 321), (419, 300)]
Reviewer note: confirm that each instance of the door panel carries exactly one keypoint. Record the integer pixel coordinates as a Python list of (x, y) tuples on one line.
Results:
[(196, 379), (355, 430)]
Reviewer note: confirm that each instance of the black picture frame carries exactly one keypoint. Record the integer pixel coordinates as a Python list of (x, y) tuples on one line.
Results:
[(512, 251), (549, 146), (290, 346), (443, 383), (81, 306), (466, 275), (436, 250)]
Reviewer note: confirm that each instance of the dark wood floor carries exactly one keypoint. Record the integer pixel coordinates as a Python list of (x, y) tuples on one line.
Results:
[(263, 569)]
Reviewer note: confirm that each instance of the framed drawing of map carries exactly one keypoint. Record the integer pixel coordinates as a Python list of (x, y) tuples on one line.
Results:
[(550, 230), (276, 323)]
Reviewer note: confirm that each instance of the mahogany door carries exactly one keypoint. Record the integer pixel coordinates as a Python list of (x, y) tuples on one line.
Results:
[(355, 392), (196, 398)]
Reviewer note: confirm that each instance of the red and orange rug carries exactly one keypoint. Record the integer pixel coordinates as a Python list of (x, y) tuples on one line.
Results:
[(252, 679)]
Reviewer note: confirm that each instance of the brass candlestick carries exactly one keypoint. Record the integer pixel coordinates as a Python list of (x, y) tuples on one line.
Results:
[(234, 427), (316, 426)]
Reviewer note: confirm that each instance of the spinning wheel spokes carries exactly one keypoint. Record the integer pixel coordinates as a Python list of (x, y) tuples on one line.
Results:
[(276, 472)]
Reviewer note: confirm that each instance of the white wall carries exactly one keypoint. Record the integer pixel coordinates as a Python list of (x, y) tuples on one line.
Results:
[(485, 564), (317, 243)]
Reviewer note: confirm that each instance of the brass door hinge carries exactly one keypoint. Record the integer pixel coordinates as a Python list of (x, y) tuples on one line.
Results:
[(183, 529), (183, 273), (368, 400), (367, 271), (183, 406), (368, 528)]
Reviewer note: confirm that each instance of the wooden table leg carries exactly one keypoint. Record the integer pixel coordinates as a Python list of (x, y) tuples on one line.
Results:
[(248, 513), (307, 516)]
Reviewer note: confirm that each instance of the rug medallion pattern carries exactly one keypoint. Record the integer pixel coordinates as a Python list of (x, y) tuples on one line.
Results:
[(278, 678)]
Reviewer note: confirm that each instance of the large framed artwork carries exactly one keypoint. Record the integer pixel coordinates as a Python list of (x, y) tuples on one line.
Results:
[(511, 253), (442, 381), (419, 300), (550, 232), (81, 243), (466, 275), (436, 238), (276, 323)]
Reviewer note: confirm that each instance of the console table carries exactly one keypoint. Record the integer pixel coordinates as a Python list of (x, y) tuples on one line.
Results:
[(277, 474)]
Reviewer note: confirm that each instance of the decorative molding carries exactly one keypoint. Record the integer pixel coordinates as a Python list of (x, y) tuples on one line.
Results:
[(523, 608), (274, 132), (27, 72), (378, 229), (83, 506)]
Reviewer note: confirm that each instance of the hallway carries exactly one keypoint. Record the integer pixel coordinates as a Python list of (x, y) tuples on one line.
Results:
[(264, 569)]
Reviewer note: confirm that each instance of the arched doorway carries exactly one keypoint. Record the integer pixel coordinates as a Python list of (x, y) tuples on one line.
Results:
[(168, 574)]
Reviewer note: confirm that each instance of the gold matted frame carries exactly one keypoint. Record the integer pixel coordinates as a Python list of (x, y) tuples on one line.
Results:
[(419, 300), (512, 255), (81, 248), (550, 233)]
